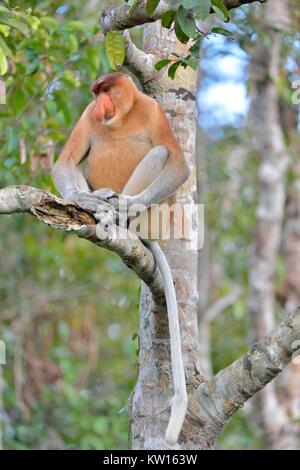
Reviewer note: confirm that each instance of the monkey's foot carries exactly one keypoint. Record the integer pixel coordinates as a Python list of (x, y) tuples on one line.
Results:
[(106, 217)]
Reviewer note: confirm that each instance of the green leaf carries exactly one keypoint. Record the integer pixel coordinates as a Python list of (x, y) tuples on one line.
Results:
[(70, 79), (4, 46), (187, 23), (131, 4), (161, 64), (3, 62), (17, 101), (34, 22), (93, 58), (4, 29), (168, 18), (173, 68), (33, 67), (115, 49), (189, 3), (134, 336), (61, 99), (195, 48), (51, 107), (223, 31), (220, 10), (73, 43), (12, 140), (49, 23), (202, 9), (76, 26), (181, 36), (16, 23), (191, 62), (151, 6)]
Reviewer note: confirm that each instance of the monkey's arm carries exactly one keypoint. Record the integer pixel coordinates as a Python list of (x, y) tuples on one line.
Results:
[(174, 172), (68, 177)]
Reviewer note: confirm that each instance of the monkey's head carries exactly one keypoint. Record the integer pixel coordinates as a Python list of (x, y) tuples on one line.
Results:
[(115, 93)]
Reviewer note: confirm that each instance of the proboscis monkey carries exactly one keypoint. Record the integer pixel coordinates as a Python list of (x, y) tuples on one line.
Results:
[(131, 154)]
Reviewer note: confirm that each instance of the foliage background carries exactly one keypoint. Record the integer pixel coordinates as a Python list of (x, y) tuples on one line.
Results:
[(69, 311)]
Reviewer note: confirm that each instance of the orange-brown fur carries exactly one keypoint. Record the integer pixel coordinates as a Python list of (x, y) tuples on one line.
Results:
[(115, 150), (130, 148)]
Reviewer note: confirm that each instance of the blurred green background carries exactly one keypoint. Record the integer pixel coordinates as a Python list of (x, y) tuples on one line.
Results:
[(68, 310)]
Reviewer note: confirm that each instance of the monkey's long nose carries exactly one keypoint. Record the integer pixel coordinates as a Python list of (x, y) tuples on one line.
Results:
[(104, 108)]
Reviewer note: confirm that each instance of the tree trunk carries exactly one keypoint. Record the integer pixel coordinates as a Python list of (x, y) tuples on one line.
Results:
[(211, 402), (153, 391), (289, 292), (269, 136)]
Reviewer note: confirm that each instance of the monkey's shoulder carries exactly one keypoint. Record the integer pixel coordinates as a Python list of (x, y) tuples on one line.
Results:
[(147, 105), (154, 112)]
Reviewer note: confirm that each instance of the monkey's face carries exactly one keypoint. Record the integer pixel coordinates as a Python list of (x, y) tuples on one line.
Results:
[(114, 97)]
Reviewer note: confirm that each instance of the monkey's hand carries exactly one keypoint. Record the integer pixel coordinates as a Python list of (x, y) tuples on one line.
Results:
[(88, 201), (107, 196)]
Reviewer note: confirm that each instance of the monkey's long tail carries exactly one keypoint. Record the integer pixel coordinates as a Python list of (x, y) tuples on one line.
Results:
[(180, 399)]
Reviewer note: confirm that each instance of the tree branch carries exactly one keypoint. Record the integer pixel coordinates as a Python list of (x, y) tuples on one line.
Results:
[(141, 64), (67, 216), (120, 18), (230, 4), (227, 392)]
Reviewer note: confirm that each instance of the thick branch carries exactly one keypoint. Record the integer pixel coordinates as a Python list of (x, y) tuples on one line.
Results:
[(140, 63), (119, 18), (230, 4), (222, 396), (67, 216)]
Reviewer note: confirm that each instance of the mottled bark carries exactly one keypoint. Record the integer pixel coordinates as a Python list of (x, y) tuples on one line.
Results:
[(228, 391), (151, 399), (120, 18)]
